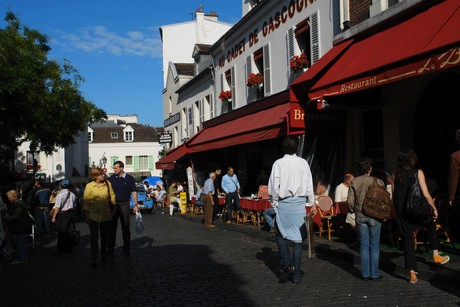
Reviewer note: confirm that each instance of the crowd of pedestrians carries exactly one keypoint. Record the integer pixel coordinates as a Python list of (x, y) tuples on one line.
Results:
[(291, 187)]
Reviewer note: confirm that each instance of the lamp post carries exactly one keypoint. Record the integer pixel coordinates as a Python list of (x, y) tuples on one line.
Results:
[(104, 160)]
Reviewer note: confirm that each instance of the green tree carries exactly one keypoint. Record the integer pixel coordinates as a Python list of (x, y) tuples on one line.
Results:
[(40, 99)]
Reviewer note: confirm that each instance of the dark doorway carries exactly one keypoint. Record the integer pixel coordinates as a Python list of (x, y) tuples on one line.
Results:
[(436, 119)]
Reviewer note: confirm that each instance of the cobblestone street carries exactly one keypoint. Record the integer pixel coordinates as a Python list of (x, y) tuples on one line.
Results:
[(177, 261)]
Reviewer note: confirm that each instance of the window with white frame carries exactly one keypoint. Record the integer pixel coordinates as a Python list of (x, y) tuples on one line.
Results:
[(129, 160), (114, 135), (143, 162), (90, 136), (128, 134), (303, 40), (259, 63), (227, 83)]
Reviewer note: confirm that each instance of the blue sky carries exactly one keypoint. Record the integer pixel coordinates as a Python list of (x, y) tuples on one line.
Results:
[(115, 45)]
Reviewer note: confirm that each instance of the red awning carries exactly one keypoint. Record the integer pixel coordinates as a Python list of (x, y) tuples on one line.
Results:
[(169, 161), (263, 125), (425, 43)]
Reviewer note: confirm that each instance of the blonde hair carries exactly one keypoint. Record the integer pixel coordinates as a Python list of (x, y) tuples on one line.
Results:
[(96, 171), (13, 193)]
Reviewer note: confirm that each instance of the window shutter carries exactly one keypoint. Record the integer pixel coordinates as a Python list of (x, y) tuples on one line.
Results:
[(223, 105), (314, 37), (150, 163), (290, 44), (136, 163), (249, 90), (233, 88), (113, 159), (267, 78)]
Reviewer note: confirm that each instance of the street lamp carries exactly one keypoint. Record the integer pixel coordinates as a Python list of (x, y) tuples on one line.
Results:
[(104, 160)]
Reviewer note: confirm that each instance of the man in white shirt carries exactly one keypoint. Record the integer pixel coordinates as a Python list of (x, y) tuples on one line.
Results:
[(64, 209), (291, 189), (341, 191)]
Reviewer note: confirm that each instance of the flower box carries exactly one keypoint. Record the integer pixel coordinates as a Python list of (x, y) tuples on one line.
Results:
[(255, 80), (298, 63), (225, 95)]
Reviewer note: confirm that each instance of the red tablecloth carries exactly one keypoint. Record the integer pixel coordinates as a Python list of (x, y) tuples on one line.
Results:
[(252, 204)]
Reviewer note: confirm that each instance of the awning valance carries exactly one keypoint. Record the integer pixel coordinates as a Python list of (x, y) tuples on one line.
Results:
[(169, 161), (267, 124)]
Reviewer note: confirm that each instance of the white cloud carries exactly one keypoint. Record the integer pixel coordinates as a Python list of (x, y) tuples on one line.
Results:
[(98, 39)]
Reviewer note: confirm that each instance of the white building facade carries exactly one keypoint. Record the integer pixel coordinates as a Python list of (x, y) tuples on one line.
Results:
[(122, 138), (70, 162)]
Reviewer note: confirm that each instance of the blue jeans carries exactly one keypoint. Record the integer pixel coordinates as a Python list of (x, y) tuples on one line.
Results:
[(285, 255), (369, 240), (20, 247), (269, 216)]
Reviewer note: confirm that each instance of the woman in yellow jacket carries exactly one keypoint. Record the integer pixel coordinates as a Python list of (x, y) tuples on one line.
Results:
[(99, 201)]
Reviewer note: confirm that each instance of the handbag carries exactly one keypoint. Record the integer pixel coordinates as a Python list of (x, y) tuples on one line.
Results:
[(139, 224), (74, 235), (416, 205)]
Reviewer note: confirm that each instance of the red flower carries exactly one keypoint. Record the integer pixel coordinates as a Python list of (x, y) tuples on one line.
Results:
[(255, 79), (298, 62), (225, 95)]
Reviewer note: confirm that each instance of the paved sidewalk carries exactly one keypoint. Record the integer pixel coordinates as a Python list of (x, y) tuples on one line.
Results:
[(177, 261)]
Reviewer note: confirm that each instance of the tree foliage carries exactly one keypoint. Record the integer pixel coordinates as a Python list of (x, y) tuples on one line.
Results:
[(40, 99)]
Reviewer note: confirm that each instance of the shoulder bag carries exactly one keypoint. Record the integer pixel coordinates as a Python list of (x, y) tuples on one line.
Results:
[(416, 204)]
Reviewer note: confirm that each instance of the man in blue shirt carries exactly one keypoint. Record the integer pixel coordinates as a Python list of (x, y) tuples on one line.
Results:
[(208, 199), (124, 187), (231, 187)]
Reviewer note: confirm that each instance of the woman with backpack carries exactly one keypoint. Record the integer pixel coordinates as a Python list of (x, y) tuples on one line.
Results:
[(406, 175), (368, 227)]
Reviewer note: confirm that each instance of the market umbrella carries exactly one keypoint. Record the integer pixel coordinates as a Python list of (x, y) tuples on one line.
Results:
[(154, 180)]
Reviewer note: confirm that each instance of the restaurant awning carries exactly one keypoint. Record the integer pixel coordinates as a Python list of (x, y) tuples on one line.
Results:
[(169, 161), (427, 42), (266, 124)]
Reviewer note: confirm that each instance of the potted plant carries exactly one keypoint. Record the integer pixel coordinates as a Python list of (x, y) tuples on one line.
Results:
[(298, 63), (255, 80), (225, 96)]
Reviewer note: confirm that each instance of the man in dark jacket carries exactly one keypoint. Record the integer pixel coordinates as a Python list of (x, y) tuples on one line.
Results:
[(18, 223)]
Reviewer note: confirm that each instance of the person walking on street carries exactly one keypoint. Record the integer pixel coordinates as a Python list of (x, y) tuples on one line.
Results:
[(19, 223), (290, 187), (208, 199), (216, 207), (124, 187), (64, 211), (98, 204), (405, 174), (40, 209), (231, 187), (368, 228)]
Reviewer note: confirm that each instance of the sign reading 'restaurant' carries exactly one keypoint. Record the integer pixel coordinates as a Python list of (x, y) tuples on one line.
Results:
[(269, 26)]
